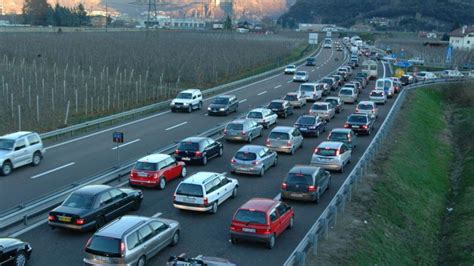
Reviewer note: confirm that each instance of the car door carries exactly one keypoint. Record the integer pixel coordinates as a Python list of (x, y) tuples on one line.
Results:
[(275, 223), (284, 217), (146, 235), (297, 138), (20, 153), (267, 157), (7, 256), (134, 246), (162, 236), (106, 206), (172, 169), (346, 153), (122, 204), (235, 104), (213, 147), (212, 191), (226, 186)]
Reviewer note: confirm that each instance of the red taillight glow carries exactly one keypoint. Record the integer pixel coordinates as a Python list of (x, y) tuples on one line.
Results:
[(206, 201), (122, 248), (225, 131), (312, 188), (256, 162), (267, 142), (357, 110), (174, 197), (338, 152), (364, 126), (79, 221), (155, 176), (244, 133), (316, 150), (176, 152), (233, 160), (198, 153), (284, 186), (346, 125), (51, 218), (288, 143)]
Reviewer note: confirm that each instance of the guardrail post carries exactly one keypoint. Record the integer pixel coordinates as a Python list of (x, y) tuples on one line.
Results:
[(334, 211), (343, 203), (326, 227), (349, 192), (25, 219), (300, 258), (313, 240)]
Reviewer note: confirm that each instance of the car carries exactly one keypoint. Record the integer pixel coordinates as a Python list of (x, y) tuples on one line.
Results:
[(199, 260), (223, 105), (204, 191), (331, 82), (360, 123), (471, 74), (425, 75), (310, 61), (290, 69), (339, 48), (387, 85), (92, 206), (343, 73), (187, 100), (362, 81), (348, 70), (378, 96), (20, 149), (198, 149), (282, 108), (263, 116), (332, 155), (14, 251), (301, 76), (253, 160), (324, 110), (348, 95), (397, 84), (261, 220), (416, 61), (311, 91), (364, 75), (367, 107), (131, 240), (242, 130), (326, 88), (355, 60), (345, 135), (451, 74), (336, 103), (352, 85), (295, 99), (305, 182), (310, 125), (284, 139), (358, 85), (352, 64), (156, 170), (339, 80)]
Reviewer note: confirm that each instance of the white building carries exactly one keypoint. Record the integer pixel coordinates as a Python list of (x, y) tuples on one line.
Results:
[(462, 38)]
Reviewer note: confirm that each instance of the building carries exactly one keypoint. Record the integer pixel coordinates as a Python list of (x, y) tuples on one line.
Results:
[(462, 38)]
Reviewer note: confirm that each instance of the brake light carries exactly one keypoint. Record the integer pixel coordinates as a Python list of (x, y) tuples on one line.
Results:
[(232, 228), (347, 125), (225, 131), (155, 175), (51, 218), (176, 152), (364, 126), (338, 152), (174, 197), (312, 188), (284, 186), (243, 133), (316, 150), (288, 143), (206, 201), (79, 221), (233, 160), (197, 153), (267, 142), (122, 248), (268, 230), (357, 110), (256, 162)]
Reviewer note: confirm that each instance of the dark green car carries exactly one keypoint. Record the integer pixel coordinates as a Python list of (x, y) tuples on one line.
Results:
[(345, 135)]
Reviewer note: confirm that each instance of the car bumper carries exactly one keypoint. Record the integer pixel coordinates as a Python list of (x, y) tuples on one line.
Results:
[(144, 183), (348, 100), (217, 112), (191, 207), (378, 100), (251, 170), (360, 130), (308, 132), (84, 227), (327, 166), (299, 80), (306, 196), (188, 159), (250, 236), (180, 107), (281, 149)]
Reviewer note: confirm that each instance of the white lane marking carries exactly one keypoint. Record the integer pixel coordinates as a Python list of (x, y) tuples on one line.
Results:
[(125, 144), (242, 101), (277, 197), (178, 125), (53, 170), (289, 81), (276, 87), (312, 70), (156, 215), (262, 93), (24, 230), (206, 114)]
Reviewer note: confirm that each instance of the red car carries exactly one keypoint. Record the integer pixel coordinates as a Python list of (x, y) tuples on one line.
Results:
[(156, 170), (261, 220)]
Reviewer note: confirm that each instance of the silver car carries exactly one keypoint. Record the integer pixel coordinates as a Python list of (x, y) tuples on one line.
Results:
[(378, 96), (243, 130), (348, 95), (325, 110), (301, 76), (253, 160), (331, 155), (263, 116), (131, 240), (19, 149), (295, 99), (367, 107), (285, 139)]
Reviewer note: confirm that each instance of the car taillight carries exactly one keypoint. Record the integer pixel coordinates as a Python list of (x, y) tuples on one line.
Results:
[(233, 228), (268, 230), (316, 150), (357, 110), (349, 137), (347, 125), (122, 248), (312, 188), (206, 201), (364, 126), (256, 162), (233, 160), (338, 152), (288, 143), (225, 131), (51, 218), (155, 176), (373, 110), (174, 197), (284, 186), (79, 221), (244, 133), (176, 152), (197, 153), (267, 142)]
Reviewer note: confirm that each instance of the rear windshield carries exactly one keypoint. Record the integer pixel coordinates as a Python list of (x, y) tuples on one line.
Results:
[(188, 146), (338, 136), (291, 98), (245, 156), (321, 107), (357, 119), (104, 246), (296, 178), (186, 189), (376, 93), (220, 100), (300, 73), (255, 115), (291, 66), (235, 126), (6, 144), (275, 105), (331, 101), (346, 92), (279, 135), (248, 216), (363, 106), (306, 120), (306, 88), (421, 74), (80, 201), (326, 152), (144, 166)]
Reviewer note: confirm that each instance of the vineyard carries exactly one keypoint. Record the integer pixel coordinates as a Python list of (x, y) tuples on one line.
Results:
[(51, 80)]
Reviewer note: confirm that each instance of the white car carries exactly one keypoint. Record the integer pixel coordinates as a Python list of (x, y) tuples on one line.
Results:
[(451, 74), (378, 96), (311, 91), (19, 149), (187, 100), (204, 191), (263, 116), (471, 74), (290, 69), (425, 75), (416, 61), (367, 107), (331, 155), (301, 76)]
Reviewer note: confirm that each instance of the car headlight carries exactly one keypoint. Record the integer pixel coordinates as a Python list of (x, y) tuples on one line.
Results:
[(185, 104), (222, 109), (172, 104), (209, 108)]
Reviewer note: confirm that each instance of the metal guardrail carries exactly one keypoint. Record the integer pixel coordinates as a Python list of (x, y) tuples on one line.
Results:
[(328, 217), (163, 104)]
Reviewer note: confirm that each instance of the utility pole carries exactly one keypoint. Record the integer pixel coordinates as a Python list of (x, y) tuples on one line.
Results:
[(151, 8)]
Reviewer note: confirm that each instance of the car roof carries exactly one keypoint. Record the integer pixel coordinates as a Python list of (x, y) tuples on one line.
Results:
[(191, 91), (121, 226), (304, 169), (154, 158), (200, 177), (301, 72), (194, 139), (259, 204), (330, 144), (282, 129), (341, 130), (291, 66), (333, 98), (16, 135), (92, 189), (226, 96), (367, 102), (251, 148), (321, 103), (279, 101)]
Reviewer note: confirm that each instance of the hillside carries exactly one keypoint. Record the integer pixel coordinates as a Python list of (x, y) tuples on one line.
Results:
[(442, 13)]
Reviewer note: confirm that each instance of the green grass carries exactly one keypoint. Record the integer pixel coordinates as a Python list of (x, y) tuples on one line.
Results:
[(409, 199)]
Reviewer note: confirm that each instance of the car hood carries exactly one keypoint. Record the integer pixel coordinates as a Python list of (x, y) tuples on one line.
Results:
[(217, 105), (4, 153), (70, 210), (7, 242)]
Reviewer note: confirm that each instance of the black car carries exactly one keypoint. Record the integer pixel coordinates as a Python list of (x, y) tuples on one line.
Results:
[(91, 207), (282, 108), (305, 182), (332, 82), (360, 123), (14, 251), (310, 61), (198, 149), (310, 125), (223, 105)]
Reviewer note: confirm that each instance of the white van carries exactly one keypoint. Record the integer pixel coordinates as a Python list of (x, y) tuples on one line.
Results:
[(385, 84), (311, 91), (370, 67)]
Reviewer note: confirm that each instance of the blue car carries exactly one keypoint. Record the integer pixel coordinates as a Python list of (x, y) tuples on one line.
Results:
[(310, 125)]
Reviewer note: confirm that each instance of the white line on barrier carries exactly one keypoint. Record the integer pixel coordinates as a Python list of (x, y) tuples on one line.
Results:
[(242, 101), (278, 86), (126, 144), (262, 93), (178, 125), (29, 228), (53, 170), (156, 215)]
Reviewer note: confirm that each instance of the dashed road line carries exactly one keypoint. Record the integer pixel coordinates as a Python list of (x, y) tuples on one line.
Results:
[(178, 125), (276, 87), (126, 144), (53, 170), (262, 93), (242, 101)]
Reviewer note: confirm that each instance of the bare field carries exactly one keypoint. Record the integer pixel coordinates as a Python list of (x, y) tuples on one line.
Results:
[(97, 73)]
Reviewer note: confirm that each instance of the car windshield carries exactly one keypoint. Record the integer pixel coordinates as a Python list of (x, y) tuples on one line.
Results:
[(306, 88), (357, 119), (291, 97), (188, 146), (192, 190), (332, 101), (248, 216), (255, 115), (364, 106), (421, 74), (306, 120), (319, 107), (104, 246), (376, 93), (290, 66), (279, 135), (298, 178), (300, 73), (146, 166), (346, 92), (326, 152), (275, 105), (338, 136), (221, 100), (235, 126), (379, 84), (6, 144), (79, 201), (183, 95), (245, 156)]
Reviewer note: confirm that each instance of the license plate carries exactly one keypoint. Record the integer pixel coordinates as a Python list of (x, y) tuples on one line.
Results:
[(355, 126), (248, 230), (296, 195), (186, 159), (142, 174), (189, 200), (303, 128), (64, 219)]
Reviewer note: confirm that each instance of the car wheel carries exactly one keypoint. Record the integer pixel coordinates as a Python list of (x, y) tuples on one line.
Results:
[(292, 223), (183, 172), (250, 138), (271, 242), (36, 159), (221, 152), (342, 169), (275, 162), (317, 133), (214, 207), (235, 192), (6, 168), (136, 205), (292, 152), (175, 239), (233, 240), (141, 261), (262, 171), (21, 258), (190, 109), (200, 105), (99, 222), (162, 183), (204, 160)]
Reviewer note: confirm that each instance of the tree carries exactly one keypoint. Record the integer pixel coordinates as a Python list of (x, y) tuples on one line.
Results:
[(82, 17), (228, 23), (35, 12)]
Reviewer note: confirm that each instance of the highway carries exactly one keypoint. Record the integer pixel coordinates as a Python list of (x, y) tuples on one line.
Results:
[(203, 233), (82, 156)]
